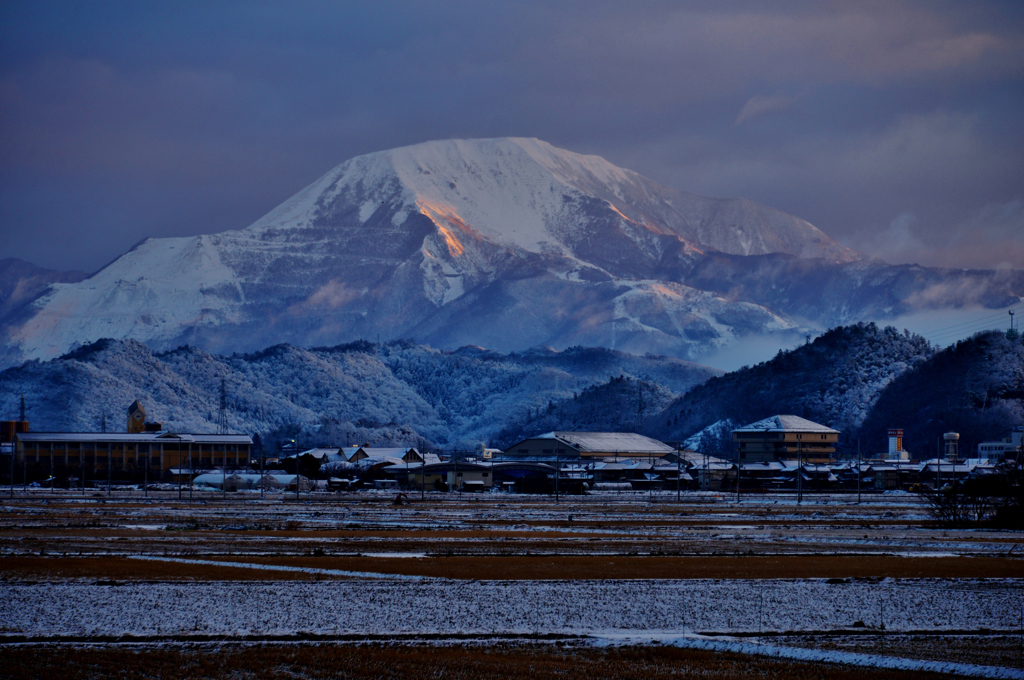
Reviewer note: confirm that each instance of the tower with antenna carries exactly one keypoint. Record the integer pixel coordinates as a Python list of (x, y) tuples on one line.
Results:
[(222, 416), (1012, 334)]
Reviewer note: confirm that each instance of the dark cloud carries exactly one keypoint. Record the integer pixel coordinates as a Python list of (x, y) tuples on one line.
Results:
[(896, 127)]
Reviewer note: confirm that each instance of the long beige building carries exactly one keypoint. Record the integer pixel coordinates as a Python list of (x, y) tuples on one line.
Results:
[(130, 452)]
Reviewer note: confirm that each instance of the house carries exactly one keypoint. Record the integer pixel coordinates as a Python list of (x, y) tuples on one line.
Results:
[(407, 454), (937, 472), (590, 445), (783, 438)]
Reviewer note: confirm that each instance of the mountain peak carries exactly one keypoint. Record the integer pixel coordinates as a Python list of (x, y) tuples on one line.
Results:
[(525, 193), (504, 243)]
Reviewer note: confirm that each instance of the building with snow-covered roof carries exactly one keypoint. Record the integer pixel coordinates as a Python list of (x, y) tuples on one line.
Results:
[(87, 453), (601, 445), (1008, 447), (785, 438), (404, 453)]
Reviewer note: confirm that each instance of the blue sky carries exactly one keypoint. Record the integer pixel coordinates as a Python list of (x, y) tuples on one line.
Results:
[(896, 127)]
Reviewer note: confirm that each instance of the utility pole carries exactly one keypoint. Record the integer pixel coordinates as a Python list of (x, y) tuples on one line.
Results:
[(650, 483), (738, 468), (679, 468), (109, 470), (222, 415), (799, 472), (639, 405), (556, 472), (858, 472)]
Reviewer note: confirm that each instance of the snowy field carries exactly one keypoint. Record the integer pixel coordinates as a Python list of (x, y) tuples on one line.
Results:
[(582, 607), (870, 585)]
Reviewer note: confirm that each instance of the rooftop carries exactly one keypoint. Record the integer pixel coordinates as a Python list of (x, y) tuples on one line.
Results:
[(134, 438), (786, 424), (610, 442)]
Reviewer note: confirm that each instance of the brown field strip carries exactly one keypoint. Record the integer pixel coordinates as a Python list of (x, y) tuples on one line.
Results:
[(538, 662), (122, 569), (668, 567), (522, 567)]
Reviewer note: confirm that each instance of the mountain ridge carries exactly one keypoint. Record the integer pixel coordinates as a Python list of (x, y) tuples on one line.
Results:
[(507, 243)]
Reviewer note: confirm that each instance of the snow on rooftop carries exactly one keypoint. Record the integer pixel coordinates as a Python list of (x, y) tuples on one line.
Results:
[(785, 424), (612, 442), (134, 438)]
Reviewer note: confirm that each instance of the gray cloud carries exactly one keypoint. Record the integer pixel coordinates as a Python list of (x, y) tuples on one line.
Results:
[(129, 120), (759, 105)]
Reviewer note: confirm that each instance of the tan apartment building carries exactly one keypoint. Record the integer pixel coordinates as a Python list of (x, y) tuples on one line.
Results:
[(785, 438)]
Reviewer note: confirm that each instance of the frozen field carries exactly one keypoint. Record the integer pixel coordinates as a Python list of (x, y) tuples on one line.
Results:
[(870, 585), (446, 607)]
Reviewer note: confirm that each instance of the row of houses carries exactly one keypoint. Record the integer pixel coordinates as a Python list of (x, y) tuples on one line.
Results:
[(779, 452), (682, 470)]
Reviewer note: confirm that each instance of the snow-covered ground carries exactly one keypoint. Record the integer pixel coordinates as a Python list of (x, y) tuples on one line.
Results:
[(584, 607)]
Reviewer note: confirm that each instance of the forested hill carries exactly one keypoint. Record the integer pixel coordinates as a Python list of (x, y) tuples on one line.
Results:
[(623, 404), (975, 388), (834, 380), (384, 394)]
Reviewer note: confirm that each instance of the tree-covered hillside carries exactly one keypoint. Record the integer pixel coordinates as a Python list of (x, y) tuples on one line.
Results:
[(394, 393), (834, 380), (623, 404), (975, 388)]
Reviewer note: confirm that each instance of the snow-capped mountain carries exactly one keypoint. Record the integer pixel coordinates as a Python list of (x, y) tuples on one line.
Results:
[(505, 243)]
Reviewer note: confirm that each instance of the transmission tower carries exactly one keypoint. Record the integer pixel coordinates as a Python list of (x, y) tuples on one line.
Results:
[(222, 417)]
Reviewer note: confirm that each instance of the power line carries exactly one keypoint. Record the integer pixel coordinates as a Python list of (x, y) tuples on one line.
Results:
[(998, 315), (969, 330), (964, 328)]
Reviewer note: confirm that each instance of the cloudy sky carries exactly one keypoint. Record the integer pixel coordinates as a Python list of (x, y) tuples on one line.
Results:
[(897, 128)]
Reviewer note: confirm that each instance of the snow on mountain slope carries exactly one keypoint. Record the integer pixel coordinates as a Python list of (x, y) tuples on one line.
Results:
[(519, 192), (426, 241), (391, 393)]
